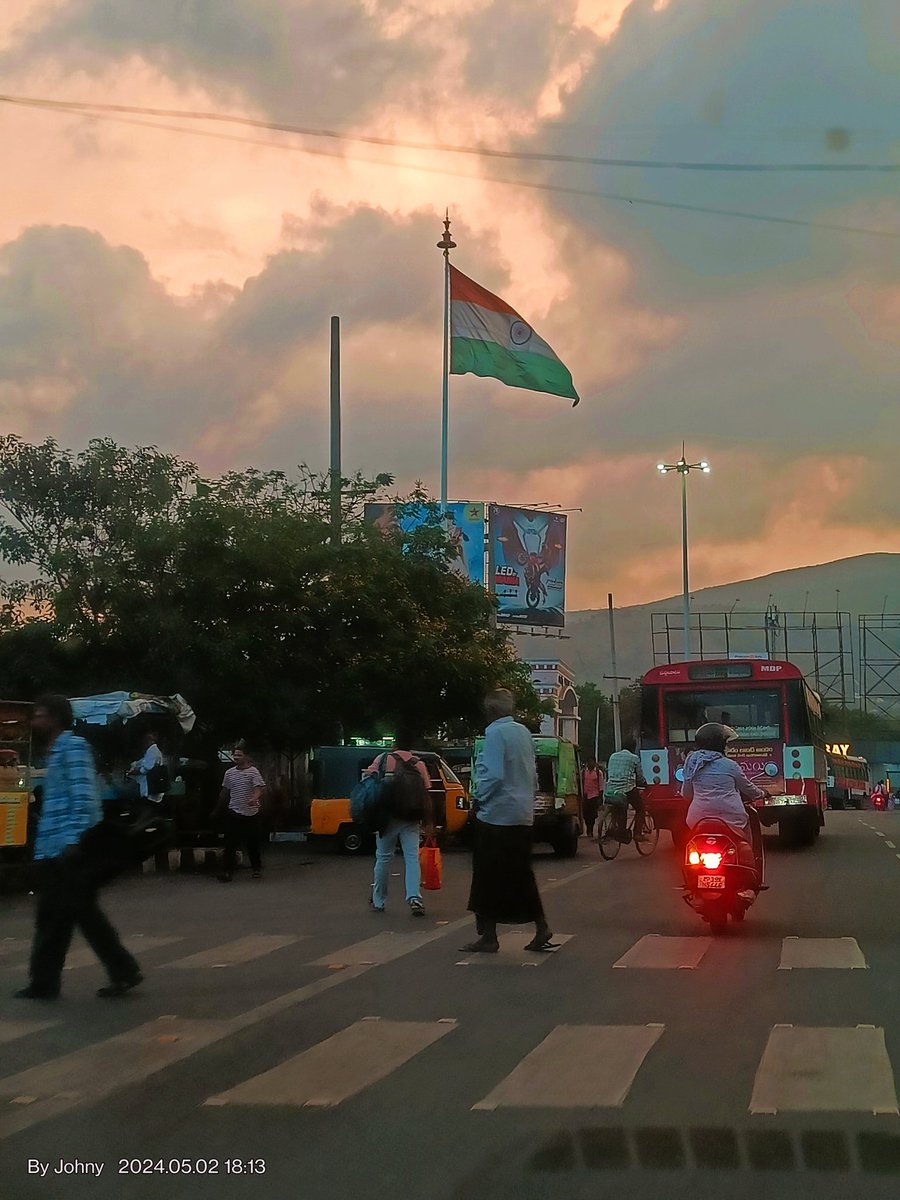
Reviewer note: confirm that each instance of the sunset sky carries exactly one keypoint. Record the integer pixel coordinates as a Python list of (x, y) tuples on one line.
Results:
[(175, 289)]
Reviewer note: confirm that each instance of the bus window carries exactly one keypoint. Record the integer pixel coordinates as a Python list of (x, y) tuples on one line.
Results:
[(751, 714), (651, 738)]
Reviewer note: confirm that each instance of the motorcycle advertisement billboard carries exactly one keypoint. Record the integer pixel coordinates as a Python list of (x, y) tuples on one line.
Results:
[(464, 523), (527, 565)]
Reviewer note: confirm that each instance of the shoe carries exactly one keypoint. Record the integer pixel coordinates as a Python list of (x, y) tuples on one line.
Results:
[(120, 986), (375, 907), (257, 875), (482, 946), (226, 878), (541, 942), (33, 993), (417, 908)]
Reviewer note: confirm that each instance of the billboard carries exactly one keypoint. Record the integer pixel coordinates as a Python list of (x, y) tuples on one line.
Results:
[(527, 565), (465, 529)]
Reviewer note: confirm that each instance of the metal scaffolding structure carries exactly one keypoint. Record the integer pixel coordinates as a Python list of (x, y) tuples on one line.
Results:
[(819, 643), (879, 663)]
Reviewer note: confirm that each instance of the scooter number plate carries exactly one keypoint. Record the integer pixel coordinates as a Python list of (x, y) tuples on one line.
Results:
[(711, 881)]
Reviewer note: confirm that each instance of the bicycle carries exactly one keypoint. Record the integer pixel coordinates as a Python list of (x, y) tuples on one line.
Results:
[(610, 841)]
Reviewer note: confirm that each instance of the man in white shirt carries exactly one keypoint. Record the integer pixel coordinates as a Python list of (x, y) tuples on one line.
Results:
[(241, 797), (152, 757)]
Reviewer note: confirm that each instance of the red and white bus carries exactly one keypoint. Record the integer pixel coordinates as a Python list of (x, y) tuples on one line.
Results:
[(780, 744)]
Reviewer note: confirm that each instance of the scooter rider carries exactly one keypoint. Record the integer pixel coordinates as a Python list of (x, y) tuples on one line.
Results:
[(718, 789)]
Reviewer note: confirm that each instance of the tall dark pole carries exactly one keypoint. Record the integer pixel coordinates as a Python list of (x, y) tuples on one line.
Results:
[(336, 480), (617, 721)]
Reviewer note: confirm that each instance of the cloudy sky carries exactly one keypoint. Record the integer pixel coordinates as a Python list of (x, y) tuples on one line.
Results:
[(175, 288)]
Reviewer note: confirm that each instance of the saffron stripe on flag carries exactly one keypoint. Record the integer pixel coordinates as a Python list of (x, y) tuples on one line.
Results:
[(469, 292)]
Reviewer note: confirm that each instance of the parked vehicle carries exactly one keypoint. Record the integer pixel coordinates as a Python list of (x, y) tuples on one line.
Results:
[(558, 801), (337, 769)]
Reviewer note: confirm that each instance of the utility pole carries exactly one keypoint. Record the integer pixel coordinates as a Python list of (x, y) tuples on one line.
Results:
[(617, 724), (336, 469)]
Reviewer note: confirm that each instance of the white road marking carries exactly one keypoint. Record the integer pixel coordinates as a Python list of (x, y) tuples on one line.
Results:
[(892, 845), (833, 953), (11, 1030), (382, 948), (666, 953), (824, 1070), (241, 950), (513, 953), (83, 956), (577, 1066), (340, 1067)]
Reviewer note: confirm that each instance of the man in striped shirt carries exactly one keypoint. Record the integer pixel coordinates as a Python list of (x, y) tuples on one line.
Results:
[(67, 883)]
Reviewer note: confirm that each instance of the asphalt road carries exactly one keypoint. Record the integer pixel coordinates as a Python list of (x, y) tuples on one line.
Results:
[(357, 1055)]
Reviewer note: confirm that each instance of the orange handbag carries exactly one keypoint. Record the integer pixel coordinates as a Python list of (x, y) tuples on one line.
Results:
[(431, 866)]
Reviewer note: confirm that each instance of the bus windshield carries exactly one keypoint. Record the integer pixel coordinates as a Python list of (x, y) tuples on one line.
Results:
[(752, 714)]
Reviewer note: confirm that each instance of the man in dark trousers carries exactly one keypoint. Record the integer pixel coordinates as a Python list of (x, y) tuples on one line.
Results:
[(504, 889), (67, 881)]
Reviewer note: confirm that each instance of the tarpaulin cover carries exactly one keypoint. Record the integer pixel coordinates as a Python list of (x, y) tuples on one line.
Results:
[(123, 706)]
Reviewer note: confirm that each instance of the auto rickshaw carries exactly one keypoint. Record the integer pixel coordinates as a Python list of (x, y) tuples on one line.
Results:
[(16, 812), (558, 800), (336, 770)]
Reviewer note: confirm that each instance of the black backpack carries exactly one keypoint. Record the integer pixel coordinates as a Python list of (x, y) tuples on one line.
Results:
[(405, 793)]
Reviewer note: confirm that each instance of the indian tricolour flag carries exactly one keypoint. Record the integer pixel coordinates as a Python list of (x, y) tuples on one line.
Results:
[(489, 338)]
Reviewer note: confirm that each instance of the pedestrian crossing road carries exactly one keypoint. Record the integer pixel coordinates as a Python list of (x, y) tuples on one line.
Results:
[(640, 1046)]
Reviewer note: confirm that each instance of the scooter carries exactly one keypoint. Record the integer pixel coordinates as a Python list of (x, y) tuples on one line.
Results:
[(721, 875)]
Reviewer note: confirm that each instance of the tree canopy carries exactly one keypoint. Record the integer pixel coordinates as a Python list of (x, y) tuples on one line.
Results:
[(138, 573)]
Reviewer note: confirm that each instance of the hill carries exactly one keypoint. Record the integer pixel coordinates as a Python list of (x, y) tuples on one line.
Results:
[(852, 585)]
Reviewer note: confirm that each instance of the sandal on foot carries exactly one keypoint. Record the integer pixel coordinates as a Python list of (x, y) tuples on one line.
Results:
[(482, 946), (542, 942)]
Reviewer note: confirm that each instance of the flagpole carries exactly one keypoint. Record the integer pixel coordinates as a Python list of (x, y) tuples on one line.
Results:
[(446, 244)]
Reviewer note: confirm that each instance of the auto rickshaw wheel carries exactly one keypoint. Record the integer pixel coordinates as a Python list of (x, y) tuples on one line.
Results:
[(565, 844), (352, 840)]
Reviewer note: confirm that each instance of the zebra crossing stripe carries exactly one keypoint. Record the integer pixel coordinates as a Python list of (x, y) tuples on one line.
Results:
[(382, 948), (340, 1067), (666, 953), (90, 1074), (10, 1031), (232, 954), (83, 956), (824, 1070), (577, 1066), (832, 953)]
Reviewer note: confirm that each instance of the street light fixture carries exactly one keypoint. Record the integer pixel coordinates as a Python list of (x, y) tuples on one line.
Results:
[(684, 468)]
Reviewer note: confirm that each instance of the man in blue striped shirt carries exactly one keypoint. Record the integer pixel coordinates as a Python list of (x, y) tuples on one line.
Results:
[(67, 883)]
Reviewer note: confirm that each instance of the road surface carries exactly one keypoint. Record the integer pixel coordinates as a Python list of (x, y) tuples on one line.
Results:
[(290, 1043)]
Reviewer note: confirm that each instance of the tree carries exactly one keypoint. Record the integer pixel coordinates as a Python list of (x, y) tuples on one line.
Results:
[(591, 698), (232, 591)]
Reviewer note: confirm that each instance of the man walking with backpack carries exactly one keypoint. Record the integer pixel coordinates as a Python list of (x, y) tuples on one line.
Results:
[(405, 799)]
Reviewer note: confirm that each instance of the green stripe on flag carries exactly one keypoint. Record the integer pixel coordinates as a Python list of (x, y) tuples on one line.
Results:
[(536, 372)]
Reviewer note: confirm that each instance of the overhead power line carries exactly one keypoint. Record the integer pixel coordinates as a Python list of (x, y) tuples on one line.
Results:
[(101, 113), (444, 147)]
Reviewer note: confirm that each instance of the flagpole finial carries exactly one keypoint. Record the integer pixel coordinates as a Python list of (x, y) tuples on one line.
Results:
[(446, 243)]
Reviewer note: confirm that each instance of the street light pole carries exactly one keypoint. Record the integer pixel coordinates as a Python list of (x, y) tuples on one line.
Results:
[(684, 468)]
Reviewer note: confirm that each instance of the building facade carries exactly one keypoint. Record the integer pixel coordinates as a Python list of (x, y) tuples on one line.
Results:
[(553, 680)]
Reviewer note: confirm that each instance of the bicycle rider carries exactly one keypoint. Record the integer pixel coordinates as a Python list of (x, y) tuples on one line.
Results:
[(624, 779)]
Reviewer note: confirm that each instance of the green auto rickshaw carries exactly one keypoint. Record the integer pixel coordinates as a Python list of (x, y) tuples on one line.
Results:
[(558, 800)]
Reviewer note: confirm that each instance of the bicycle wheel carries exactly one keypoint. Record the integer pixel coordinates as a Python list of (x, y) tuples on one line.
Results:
[(607, 835), (649, 838)]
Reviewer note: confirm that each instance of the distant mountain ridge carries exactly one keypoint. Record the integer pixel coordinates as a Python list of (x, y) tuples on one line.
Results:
[(869, 583)]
